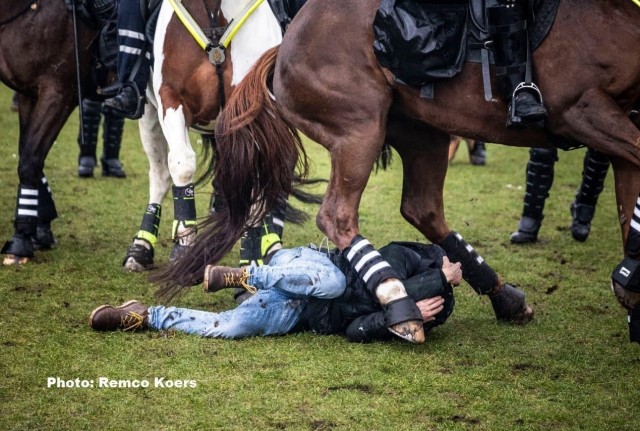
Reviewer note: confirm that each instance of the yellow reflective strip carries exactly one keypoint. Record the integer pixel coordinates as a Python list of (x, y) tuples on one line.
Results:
[(147, 236), (190, 24), (637, 2), (225, 40), (267, 241)]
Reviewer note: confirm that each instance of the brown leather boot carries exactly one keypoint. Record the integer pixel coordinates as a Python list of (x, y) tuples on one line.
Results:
[(222, 277), (130, 316)]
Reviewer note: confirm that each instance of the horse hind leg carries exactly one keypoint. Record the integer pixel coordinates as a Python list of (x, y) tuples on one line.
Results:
[(424, 154)]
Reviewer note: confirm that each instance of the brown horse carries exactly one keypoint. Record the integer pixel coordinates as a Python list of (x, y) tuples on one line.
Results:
[(328, 84), (46, 81)]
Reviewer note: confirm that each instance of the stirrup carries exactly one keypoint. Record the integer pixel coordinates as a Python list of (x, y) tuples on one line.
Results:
[(515, 121)]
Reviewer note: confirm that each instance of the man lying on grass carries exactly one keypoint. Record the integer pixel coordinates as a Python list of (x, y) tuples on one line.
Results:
[(303, 289)]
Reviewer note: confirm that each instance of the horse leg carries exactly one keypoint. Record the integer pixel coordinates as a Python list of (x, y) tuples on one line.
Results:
[(38, 130), (625, 278), (182, 167), (141, 253), (338, 219), (424, 152)]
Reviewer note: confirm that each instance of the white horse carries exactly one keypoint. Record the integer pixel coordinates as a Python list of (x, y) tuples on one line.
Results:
[(185, 92)]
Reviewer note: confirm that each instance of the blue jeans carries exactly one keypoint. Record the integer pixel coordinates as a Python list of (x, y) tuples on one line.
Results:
[(284, 288)]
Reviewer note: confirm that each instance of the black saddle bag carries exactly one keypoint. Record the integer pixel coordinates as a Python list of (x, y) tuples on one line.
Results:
[(420, 42)]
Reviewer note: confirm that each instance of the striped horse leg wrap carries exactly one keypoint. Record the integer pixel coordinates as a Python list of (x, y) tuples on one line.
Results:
[(475, 270), (368, 263), (46, 205)]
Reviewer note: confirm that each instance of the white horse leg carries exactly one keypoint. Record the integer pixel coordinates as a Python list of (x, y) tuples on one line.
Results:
[(182, 167), (140, 255)]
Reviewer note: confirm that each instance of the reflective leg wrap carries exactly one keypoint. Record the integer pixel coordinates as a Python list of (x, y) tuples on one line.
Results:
[(150, 224), (371, 268), (257, 242), (46, 205), (540, 171), (90, 125), (475, 271), (634, 325), (594, 173), (184, 209)]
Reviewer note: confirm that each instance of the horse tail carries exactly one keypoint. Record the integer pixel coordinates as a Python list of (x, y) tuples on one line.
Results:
[(259, 159)]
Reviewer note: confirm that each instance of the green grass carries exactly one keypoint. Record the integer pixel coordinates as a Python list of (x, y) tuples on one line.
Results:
[(572, 368)]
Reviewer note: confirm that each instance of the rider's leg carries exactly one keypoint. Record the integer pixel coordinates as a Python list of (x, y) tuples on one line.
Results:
[(539, 181), (583, 208), (112, 140), (88, 137), (508, 28), (133, 62)]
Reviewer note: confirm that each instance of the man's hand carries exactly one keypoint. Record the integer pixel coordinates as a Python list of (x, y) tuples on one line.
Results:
[(430, 307), (452, 271)]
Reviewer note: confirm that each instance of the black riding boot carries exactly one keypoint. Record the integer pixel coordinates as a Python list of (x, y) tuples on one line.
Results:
[(583, 208), (478, 155), (112, 139), (539, 181), (508, 28), (90, 125)]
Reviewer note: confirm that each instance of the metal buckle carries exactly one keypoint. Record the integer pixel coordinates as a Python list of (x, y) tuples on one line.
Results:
[(216, 55)]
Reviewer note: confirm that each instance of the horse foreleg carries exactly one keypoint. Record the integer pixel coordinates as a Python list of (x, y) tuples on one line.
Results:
[(338, 219), (35, 208), (182, 167), (424, 152), (626, 277), (140, 254)]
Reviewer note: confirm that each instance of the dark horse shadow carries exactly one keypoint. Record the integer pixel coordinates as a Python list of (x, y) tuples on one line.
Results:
[(37, 59)]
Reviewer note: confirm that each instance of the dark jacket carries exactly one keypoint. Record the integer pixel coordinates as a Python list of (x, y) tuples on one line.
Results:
[(357, 312)]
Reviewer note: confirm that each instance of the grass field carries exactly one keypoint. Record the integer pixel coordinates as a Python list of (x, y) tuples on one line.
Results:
[(572, 368)]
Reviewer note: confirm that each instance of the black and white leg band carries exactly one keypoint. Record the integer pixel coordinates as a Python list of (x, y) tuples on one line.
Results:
[(368, 263), (184, 208), (27, 202), (475, 270), (46, 205), (150, 224)]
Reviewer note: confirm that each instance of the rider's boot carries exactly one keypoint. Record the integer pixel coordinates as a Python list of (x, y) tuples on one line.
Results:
[(112, 140), (508, 28), (88, 137), (583, 208), (478, 155), (133, 64), (539, 181)]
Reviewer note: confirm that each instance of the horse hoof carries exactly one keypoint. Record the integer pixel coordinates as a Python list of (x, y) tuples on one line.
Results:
[(411, 331), (138, 259), (177, 250), (12, 259), (510, 306), (628, 299), (44, 239)]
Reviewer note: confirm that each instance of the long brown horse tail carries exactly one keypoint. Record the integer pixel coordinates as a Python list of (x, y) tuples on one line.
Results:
[(257, 155)]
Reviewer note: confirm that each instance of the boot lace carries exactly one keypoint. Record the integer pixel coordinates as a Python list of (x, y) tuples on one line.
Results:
[(230, 280), (131, 321)]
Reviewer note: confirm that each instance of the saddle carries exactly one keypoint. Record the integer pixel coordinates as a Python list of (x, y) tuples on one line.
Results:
[(421, 43), (285, 10)]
